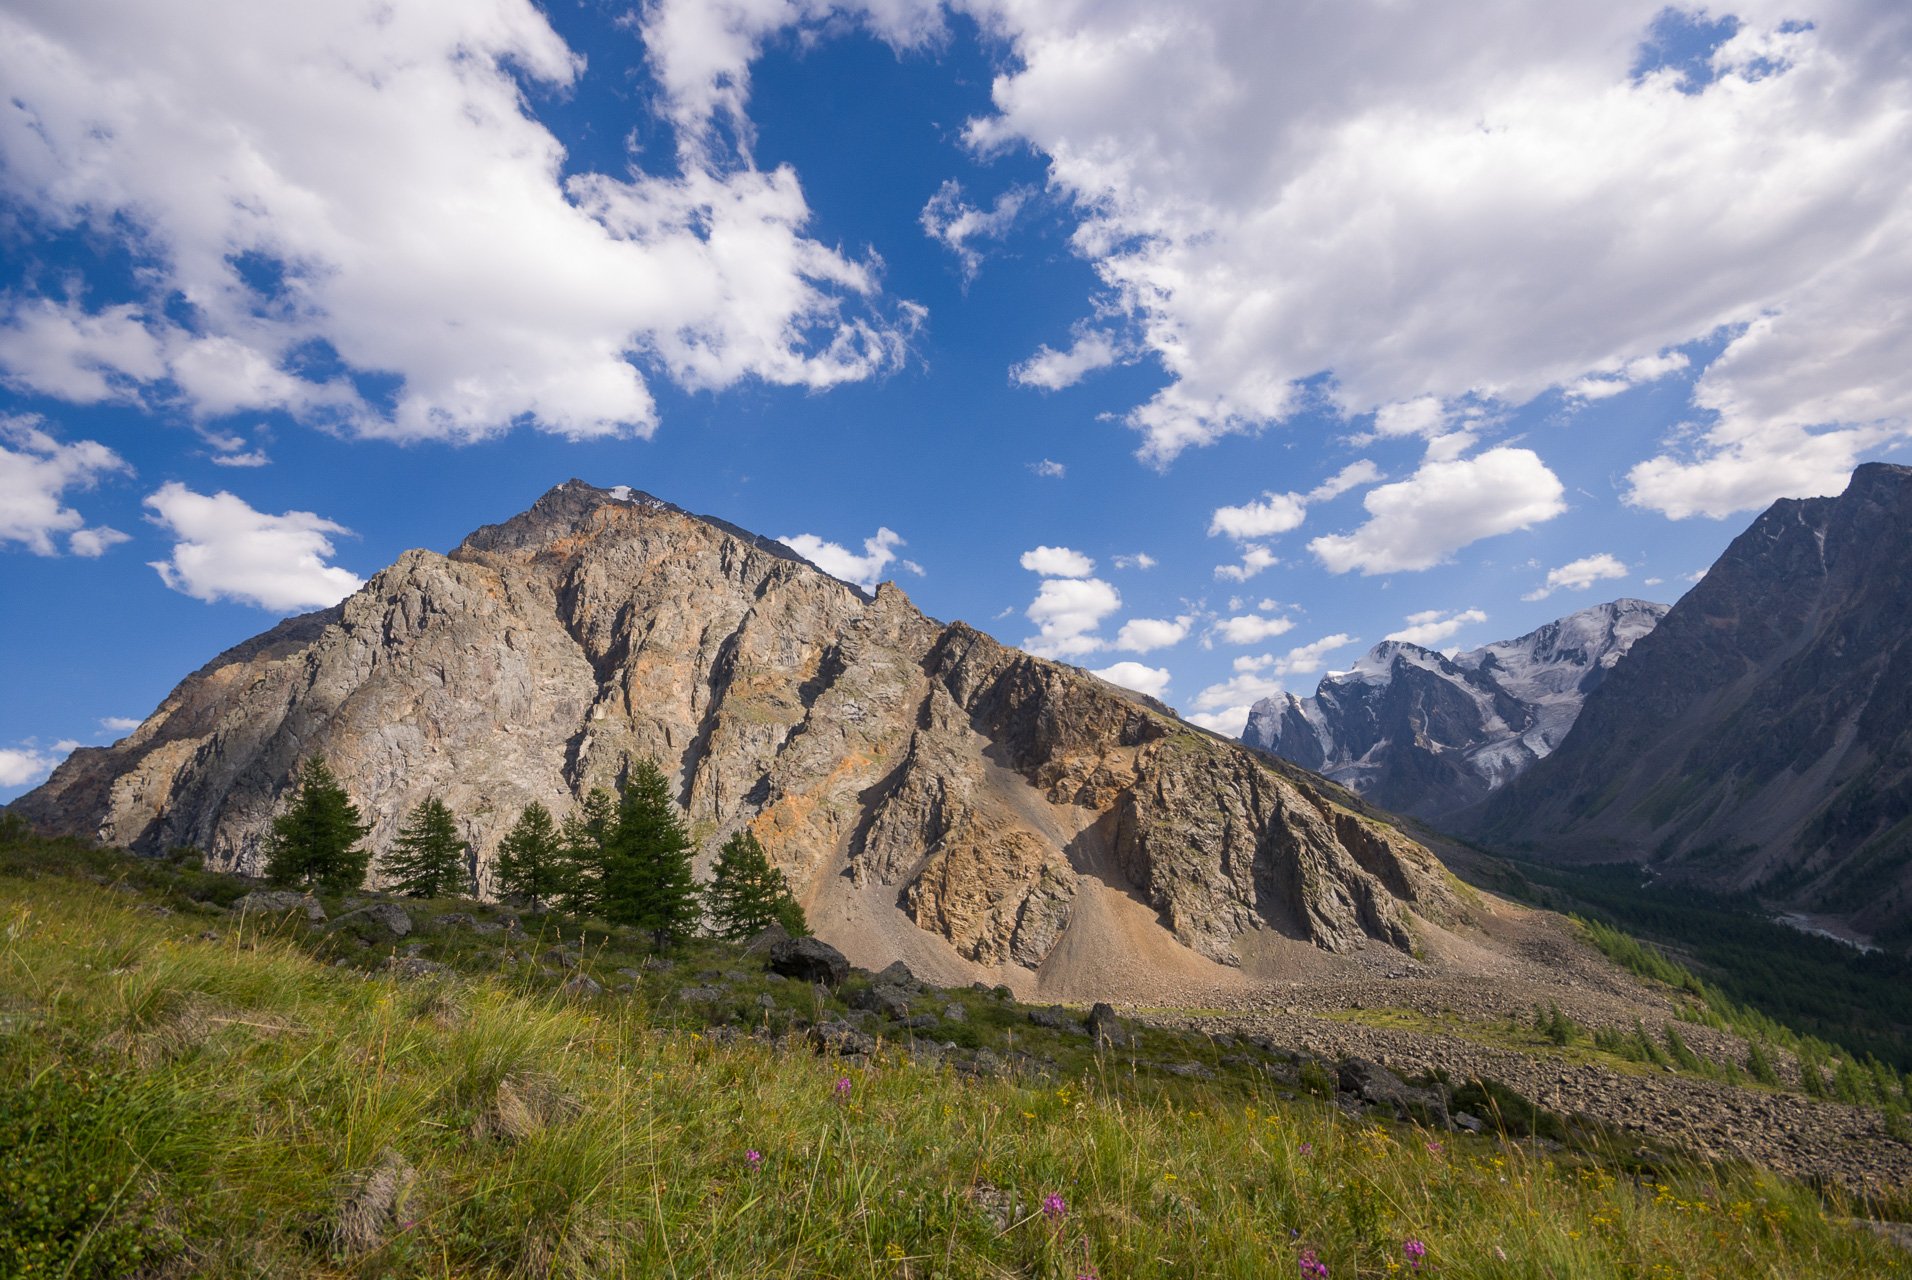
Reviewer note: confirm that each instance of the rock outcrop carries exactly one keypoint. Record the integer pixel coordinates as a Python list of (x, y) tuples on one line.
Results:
[(1761, 737), (1422, 733), (932, 794)]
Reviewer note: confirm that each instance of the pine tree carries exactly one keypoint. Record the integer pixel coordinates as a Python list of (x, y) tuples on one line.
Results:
[(1758, 1065), (428, 858), (647, 880), (747, 894), (531, 861), (584, 843), (316, 840)]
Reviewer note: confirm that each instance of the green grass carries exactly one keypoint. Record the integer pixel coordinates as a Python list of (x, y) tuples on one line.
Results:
[(210, 1107)]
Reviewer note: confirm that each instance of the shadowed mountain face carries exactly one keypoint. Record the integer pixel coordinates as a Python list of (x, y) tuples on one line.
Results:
[(933, 795), (1421, 733), (1761, 736)]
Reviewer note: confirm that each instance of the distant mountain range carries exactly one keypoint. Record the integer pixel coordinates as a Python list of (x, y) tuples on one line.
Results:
[(1423, 733), (1760, 738)]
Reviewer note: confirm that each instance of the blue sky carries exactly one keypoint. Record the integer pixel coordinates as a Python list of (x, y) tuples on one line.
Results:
[(1205, 347)]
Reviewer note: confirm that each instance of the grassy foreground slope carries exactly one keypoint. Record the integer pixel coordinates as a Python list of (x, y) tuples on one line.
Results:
[(179, 1104)]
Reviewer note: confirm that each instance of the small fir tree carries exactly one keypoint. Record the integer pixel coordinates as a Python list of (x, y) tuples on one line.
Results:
[(647, 881), (316, 840), (428, 858), (531, 862), (747, 894), (583, 844)]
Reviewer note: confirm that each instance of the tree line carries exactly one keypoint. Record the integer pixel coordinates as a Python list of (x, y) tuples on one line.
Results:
[(625, 858)]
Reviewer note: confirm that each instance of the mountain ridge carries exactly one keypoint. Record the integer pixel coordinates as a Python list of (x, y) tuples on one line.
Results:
[(935, 795)]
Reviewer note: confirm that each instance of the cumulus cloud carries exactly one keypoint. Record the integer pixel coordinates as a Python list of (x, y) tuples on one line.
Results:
[(1057, 562), (956, 224), (1140, 560), (26, 765), (1049, 469), (1250, 628), (36, 471), (368, 184), (1605, 383), (225, 550), (1140, 635), (1067, 612), (1152, 681), (1542, 203), (1254, 560), (1275, 513), (1431, 626), (866, 570), (1052, 370), (1579, 574), (1224, 707), (1445, 505), (119, 724)]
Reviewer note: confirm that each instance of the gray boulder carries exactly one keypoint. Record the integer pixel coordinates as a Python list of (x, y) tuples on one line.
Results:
[(1105, 1028), (275, 901), (811, 960)]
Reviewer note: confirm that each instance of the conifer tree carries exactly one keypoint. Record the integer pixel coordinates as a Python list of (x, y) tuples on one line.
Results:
[(584, 842), (428, 858), (747, 894), (316, 840), (647, 881), (531, 861)]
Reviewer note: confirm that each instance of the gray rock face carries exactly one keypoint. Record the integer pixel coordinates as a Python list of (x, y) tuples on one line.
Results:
[(809, 960), (1417, 732), (279, 901), (921, 785), (1761, 737)]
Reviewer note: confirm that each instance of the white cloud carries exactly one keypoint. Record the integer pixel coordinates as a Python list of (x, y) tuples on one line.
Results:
[(957, 224), (838, 561), (94, 543), (1251, 628), (1049, 470), (1431, 626), (1418, 522), (1152, 681), (1057, 562), (1140, 560), (1229, 721), (1440, 201), (1306, 659), (1254, 559), (1579, 574), (1224, 707), (1605, 383), (1067, 611), (1052, 370), (1654, 582), (382, 161), (35, 473), (225, 550), (1140, 635), (245, 458), (119, 724), (1275, 513), (25, 766), (1357, 473)]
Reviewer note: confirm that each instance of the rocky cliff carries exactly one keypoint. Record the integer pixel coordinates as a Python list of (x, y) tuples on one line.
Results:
[(1761, 737), (933, 794), (1421, 733)]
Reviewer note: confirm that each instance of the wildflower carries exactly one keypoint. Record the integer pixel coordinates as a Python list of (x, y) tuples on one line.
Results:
[(1312, 1266), (1054, 1207), (1434, 1148), (1307, 1148), (1415, 1250), (843, 1086), (753, 1158)]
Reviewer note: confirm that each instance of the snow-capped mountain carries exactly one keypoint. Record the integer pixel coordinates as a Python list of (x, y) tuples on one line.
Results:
[(1423, 733)]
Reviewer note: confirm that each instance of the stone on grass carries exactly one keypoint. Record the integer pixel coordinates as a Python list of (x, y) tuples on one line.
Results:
[(810, 959)]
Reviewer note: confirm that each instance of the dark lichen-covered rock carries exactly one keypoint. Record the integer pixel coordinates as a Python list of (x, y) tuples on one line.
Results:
[(809, 960)]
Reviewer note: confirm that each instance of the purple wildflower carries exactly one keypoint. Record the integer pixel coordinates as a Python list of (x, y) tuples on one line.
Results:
[(1415, 1251), (843, 1086), (753, 1158), (1307, 1148), (1312, 1266), (1054, 1207)]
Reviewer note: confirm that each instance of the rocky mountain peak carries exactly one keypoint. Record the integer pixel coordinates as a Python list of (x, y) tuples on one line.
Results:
[(1425, 733), (935, 796)]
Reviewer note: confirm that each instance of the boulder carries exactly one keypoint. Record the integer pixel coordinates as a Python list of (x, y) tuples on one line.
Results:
[(842, 1039), (1105, 1028), (809, 959), (388, 916), (1376, 1085), (274, 901)]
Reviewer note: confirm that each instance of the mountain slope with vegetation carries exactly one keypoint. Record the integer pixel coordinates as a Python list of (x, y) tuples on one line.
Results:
[(186, 1090)]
